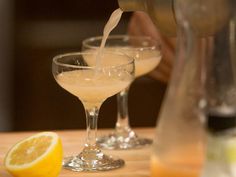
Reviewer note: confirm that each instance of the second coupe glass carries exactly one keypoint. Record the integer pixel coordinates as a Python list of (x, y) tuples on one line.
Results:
[(147, 55)]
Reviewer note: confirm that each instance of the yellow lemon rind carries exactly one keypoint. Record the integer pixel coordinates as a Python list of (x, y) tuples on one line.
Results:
[(37, 167)]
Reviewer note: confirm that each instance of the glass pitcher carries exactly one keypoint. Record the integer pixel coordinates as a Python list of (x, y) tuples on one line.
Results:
[(179, 147), (179, 143), (206, 35)]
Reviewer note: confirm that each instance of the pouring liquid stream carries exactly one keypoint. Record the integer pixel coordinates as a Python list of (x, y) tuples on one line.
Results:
[(110, 25)]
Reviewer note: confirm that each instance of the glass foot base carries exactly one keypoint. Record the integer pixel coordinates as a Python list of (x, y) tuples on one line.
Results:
[(76, 163), (114, 141)]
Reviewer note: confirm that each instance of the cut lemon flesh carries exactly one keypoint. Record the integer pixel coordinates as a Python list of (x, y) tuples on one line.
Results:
[(37, 155)]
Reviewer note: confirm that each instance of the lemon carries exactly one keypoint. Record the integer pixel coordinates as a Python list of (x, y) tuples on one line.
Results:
[(39, 155)]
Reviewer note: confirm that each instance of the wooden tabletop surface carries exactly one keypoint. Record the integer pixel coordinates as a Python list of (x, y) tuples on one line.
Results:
[(136, 161)]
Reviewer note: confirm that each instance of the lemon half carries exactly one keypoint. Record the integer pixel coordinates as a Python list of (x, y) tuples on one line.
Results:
[(39, 155)]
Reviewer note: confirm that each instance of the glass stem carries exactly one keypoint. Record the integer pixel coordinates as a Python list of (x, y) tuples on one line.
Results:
[(91, 122), (91, 152), (122, 123)]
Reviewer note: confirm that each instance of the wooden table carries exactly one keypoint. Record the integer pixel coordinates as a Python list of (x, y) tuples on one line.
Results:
[(137, 161)]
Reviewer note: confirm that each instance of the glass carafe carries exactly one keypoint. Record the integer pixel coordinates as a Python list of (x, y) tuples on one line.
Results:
[(203, 40), (179, 143)]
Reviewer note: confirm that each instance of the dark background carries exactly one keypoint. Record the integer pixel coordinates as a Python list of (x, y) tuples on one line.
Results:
[(41, 29)]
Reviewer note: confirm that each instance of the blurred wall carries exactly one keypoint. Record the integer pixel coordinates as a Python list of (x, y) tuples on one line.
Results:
[(45, 28), (6, 64)]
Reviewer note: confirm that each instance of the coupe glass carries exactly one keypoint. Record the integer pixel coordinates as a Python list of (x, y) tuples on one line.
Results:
[(147, 55), (93, 80)]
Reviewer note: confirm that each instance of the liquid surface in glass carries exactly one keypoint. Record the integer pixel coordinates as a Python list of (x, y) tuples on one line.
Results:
[(145, 60), (86, 87)]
